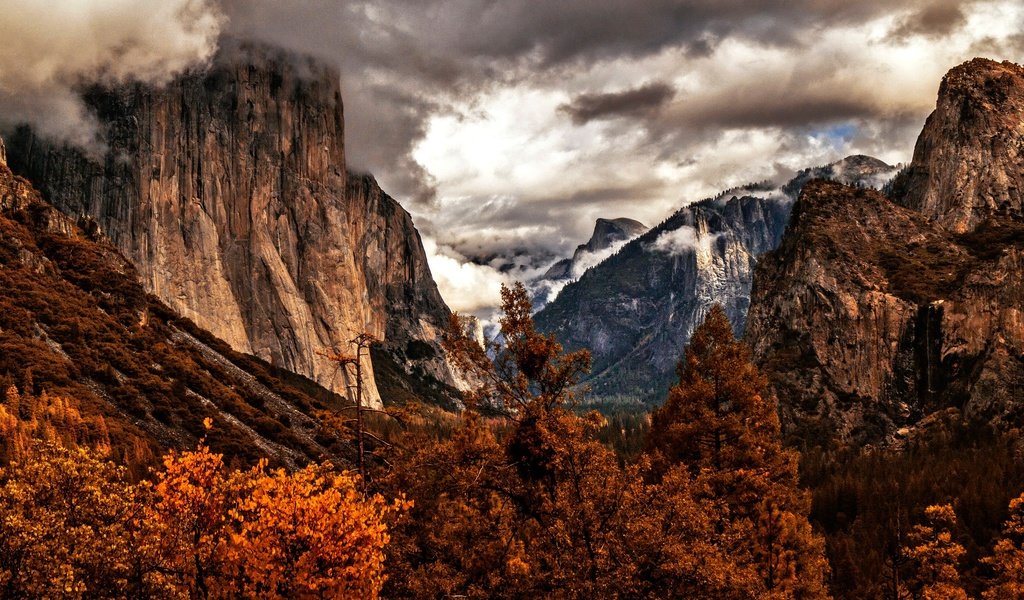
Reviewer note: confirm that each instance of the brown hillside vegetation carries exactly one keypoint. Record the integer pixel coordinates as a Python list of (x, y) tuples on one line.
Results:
[(75, 322), (540, 508)]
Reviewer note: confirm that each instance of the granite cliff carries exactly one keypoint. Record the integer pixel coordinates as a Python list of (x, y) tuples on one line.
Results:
[(228, 191), (969, 159), (876, 313), (637, 309), (76, 322)]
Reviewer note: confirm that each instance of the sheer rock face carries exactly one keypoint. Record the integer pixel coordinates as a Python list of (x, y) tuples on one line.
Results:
[(874, 314), (969, 160), (73, 312), (228, 190), (637, 310), (871, 316), (609, 231)]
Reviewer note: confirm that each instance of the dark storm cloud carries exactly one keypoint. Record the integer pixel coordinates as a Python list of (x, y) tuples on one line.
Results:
[(547, 224), (643, 100), (441, 52), (935, 19), (751, 107)]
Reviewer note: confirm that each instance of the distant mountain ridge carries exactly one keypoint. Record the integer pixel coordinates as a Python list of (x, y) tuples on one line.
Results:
[(636, 310)]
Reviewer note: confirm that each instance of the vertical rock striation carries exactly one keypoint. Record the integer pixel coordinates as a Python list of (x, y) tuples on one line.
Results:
[(228, 190)]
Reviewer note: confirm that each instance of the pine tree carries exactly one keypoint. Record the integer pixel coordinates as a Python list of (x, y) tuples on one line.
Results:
[(545, 510), (720, 424)]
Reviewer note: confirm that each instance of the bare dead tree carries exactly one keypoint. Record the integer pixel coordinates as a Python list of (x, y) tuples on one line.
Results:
[(362, 343)]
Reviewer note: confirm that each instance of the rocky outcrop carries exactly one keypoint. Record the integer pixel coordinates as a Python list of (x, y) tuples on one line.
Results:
[(876, 313), (969, 159), (871, 316), (636, 310), (228, 190), (609, 231)]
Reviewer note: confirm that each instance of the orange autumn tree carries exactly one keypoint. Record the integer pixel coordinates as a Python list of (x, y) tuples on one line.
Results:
[(73, 526), (531, 505), (308, 534), (269, 534), (934, 556), (720, 426), (25, 418), (193, 496), (1008, 557)]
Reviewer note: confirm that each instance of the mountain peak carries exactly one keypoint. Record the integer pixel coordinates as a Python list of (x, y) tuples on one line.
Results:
[(609, 231), (967, 76), (966, 164)]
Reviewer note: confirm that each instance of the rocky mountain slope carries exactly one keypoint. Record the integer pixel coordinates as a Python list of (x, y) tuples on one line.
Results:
[(229, 193), (76, 321), (874, 314), (637, 309)]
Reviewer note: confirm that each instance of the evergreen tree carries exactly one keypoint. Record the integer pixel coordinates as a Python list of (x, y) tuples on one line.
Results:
[(720, 424), (545, 510)]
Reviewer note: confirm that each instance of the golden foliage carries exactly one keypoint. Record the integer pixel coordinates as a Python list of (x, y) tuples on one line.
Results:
[(269, 534), (73, 525), (935, 555), (57, 419), (1008, 556)]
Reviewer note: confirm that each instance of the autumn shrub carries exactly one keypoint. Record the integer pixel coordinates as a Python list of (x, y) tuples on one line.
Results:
[(73, 527), (269, 534), (1007, 558)]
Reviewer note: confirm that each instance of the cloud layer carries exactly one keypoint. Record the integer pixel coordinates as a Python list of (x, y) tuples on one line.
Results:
[(50, 48), (508, 126)]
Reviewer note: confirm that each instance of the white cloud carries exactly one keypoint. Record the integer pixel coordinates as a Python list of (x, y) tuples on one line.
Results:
[(587, 260), (682, 240), (466, 287), (50, 48), (554, 177)]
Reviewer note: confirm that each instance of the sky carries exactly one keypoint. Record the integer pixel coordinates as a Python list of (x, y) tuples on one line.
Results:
[(506, 127)]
